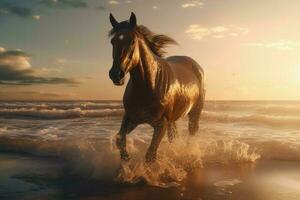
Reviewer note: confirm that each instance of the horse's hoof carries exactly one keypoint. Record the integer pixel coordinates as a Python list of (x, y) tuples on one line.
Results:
[(125, 157), (150, 158)]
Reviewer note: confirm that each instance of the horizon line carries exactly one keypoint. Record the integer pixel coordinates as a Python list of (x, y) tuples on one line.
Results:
[(120, 100)]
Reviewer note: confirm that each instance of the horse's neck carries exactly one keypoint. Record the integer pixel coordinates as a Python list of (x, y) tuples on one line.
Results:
[(145, 73)]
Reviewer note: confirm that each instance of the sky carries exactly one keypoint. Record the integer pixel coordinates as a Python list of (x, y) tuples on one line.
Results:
[(60, 49)]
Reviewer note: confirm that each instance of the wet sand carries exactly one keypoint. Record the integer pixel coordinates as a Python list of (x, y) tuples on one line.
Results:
[(29, 177)]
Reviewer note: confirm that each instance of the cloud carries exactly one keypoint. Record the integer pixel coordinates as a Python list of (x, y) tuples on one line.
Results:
[(15, 9), (47, 70), (34, 95), (283, 45), (192, 4), (36, 17), (15, 69), (118, 2), (61, 60), (65, 3), (113, 2), (198, 32), (26, 9)]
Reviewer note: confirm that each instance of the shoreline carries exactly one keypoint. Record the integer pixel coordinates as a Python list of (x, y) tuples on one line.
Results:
[(35, 177)]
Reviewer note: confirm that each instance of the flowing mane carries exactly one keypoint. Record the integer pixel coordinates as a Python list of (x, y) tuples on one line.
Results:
[(156, 42)]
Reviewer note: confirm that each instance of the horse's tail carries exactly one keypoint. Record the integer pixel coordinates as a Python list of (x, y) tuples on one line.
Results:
[(195, 113), (201, 76)]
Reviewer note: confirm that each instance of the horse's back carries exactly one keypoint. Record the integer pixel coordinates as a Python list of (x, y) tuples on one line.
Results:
[(186, 68), (185, 60), (188, 84)]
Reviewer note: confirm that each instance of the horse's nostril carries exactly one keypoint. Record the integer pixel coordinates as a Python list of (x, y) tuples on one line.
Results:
[(121, 74), (116, 74)]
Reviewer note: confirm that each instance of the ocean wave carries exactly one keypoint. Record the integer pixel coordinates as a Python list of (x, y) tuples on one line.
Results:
[(62, 105), (98, 158), (3, 129), (270, 108), (58, 113), (276, 108), (269, 120), (277, 150), (183, 149), (279, 111), (219, 117)]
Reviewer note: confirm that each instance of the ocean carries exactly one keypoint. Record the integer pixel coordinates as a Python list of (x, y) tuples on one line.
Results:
[(238, 147)]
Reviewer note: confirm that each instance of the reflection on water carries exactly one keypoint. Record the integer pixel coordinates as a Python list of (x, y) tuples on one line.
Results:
[(23, 177)]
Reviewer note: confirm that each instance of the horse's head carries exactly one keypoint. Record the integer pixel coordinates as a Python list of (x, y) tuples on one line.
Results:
[(125, 48)]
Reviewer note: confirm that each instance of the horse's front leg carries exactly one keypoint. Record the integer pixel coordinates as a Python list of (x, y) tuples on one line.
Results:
[(159, 132), (126, 127)]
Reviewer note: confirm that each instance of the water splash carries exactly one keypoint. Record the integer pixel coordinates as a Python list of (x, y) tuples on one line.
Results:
[(177, 159)]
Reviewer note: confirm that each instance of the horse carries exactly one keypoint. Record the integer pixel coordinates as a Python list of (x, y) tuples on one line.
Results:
[(160, 90)]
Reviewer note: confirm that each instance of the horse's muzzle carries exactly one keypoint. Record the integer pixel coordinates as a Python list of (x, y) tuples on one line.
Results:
[(117, 76)]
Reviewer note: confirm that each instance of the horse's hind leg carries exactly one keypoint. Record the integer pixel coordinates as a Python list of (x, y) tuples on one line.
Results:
[(172, 131), (194, 116)]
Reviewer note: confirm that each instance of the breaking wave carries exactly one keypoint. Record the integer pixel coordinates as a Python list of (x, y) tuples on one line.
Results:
[(220, 117), (99, 158), (59, 113), (273, 108), (268, 120), (61, 105)]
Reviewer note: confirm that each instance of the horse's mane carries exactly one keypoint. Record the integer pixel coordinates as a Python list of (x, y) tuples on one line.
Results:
[(156, 42)]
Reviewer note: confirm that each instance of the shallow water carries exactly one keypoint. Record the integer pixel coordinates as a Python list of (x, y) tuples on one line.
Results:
[(237, 141), (29, 177)]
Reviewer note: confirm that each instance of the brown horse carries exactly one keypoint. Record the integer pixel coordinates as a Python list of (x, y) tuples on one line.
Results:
[(159, 90)]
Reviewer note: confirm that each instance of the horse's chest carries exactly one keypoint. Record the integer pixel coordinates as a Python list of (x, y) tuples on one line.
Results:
[(144, 111)]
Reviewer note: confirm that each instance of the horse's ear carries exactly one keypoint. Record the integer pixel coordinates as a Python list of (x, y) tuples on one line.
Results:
[(113, 21), (132, 20)]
